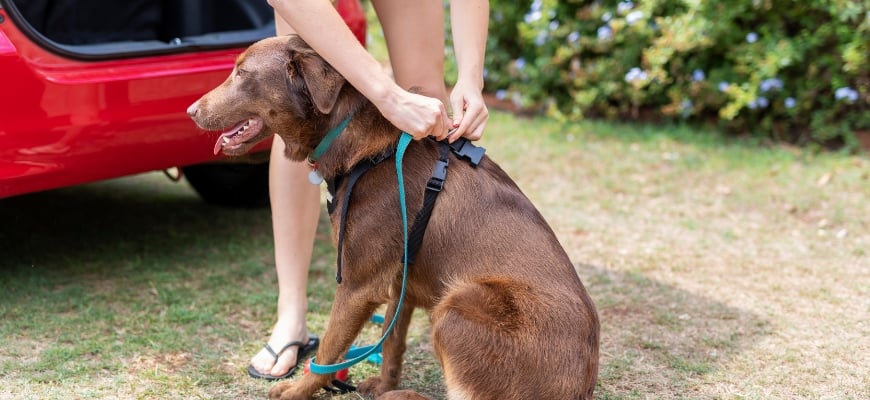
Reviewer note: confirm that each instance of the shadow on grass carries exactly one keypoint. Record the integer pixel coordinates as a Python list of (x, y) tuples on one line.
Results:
[(69, 228), (657, 339), (123, 276)]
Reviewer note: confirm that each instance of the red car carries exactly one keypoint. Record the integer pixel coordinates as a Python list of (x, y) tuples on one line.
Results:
[(97, 89)]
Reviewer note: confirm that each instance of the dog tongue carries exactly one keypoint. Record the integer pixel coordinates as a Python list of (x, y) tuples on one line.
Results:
[(228, 133), (219, 145)]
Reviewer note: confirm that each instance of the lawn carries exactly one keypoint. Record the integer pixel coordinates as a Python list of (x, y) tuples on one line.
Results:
[(720, 269)]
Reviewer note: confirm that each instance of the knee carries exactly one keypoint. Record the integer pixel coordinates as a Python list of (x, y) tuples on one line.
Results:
[(438, 91)]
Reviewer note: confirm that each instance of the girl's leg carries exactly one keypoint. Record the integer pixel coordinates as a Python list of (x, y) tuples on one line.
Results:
[(414, 31), (295, 210)]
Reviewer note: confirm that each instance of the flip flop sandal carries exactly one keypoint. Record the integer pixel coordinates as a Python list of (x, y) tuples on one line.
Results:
[(304, 351)]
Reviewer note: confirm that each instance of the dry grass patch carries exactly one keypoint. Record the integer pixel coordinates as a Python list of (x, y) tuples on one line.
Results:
[(721, 270)]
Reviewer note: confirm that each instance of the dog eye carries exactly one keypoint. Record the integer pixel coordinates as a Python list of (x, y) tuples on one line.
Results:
[(240, 72)]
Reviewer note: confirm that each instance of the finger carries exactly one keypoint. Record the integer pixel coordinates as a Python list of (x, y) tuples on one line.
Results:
[(474, 115), (445, 124), (467, 123), (457, 104), (441, 126), (477, 125), (456, 132)]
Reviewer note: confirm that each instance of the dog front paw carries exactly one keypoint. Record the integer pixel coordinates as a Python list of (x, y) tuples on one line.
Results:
[(375, 386), (287, 391)]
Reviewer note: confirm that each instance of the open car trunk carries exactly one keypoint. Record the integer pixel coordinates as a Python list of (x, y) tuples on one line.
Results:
[(111, 29)]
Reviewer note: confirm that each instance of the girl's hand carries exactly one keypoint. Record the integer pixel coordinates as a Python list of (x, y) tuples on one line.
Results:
[(469, 111), (419, 115)]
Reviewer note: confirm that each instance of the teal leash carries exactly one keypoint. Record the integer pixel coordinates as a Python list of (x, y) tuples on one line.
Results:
[(357, 355)]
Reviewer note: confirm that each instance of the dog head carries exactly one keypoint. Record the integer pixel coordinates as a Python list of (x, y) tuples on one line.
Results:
[(279, 86)]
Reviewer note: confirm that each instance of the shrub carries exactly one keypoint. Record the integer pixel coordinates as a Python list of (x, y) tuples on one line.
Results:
[(795, 70)]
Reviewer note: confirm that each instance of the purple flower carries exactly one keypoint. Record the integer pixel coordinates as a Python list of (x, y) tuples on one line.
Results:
[(751, 37), (770, 84), (633, 17), (686, 108), (534, 13), (759, 102), (624, 6), (790, 102), (520, 63), (723, 86), (573, 37), (635, 74), (605, 33), (541, 38), (846, 93), (698, 75)]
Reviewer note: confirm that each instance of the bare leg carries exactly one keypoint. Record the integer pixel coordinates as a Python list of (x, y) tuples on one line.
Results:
[(414, 31), (415, 39), (295, 210)]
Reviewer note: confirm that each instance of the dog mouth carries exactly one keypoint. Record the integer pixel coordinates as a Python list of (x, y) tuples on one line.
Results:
[(241, 137)]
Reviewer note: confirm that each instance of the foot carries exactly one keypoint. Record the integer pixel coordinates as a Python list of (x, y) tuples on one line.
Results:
[(264, 362)]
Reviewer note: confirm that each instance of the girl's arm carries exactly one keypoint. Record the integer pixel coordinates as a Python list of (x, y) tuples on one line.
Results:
[(319, 24), (470, 21)]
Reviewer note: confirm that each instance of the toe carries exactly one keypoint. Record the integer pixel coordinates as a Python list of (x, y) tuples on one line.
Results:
[(265, 363), (284, 363)]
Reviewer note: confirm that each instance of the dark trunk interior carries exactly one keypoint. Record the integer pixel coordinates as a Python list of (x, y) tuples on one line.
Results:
[(100, 29)]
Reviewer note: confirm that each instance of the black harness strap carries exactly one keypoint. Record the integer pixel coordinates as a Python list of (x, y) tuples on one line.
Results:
[(355, 174), (433, 188), (462, 148)]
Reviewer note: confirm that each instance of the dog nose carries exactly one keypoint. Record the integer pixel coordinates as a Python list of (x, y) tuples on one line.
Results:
[(191, 111)]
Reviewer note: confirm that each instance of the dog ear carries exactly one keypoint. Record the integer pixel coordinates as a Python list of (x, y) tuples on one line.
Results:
[(324, 82)]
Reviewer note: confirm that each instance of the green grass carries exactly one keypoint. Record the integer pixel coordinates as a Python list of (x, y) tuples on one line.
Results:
[(721, 268)]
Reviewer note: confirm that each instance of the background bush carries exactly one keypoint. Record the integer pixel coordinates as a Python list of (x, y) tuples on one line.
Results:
[(794, 70)]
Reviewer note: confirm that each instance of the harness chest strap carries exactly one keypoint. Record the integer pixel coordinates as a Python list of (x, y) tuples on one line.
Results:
[(355, 174), (421, 219)]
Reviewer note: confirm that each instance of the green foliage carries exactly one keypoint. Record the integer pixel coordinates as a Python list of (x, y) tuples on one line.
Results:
[(793, 70)]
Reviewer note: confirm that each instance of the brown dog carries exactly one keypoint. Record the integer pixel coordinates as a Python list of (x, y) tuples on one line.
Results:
[(510, 318)]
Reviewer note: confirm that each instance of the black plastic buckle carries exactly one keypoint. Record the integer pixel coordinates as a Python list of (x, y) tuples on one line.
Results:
[(463, 148), (439, 175)]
